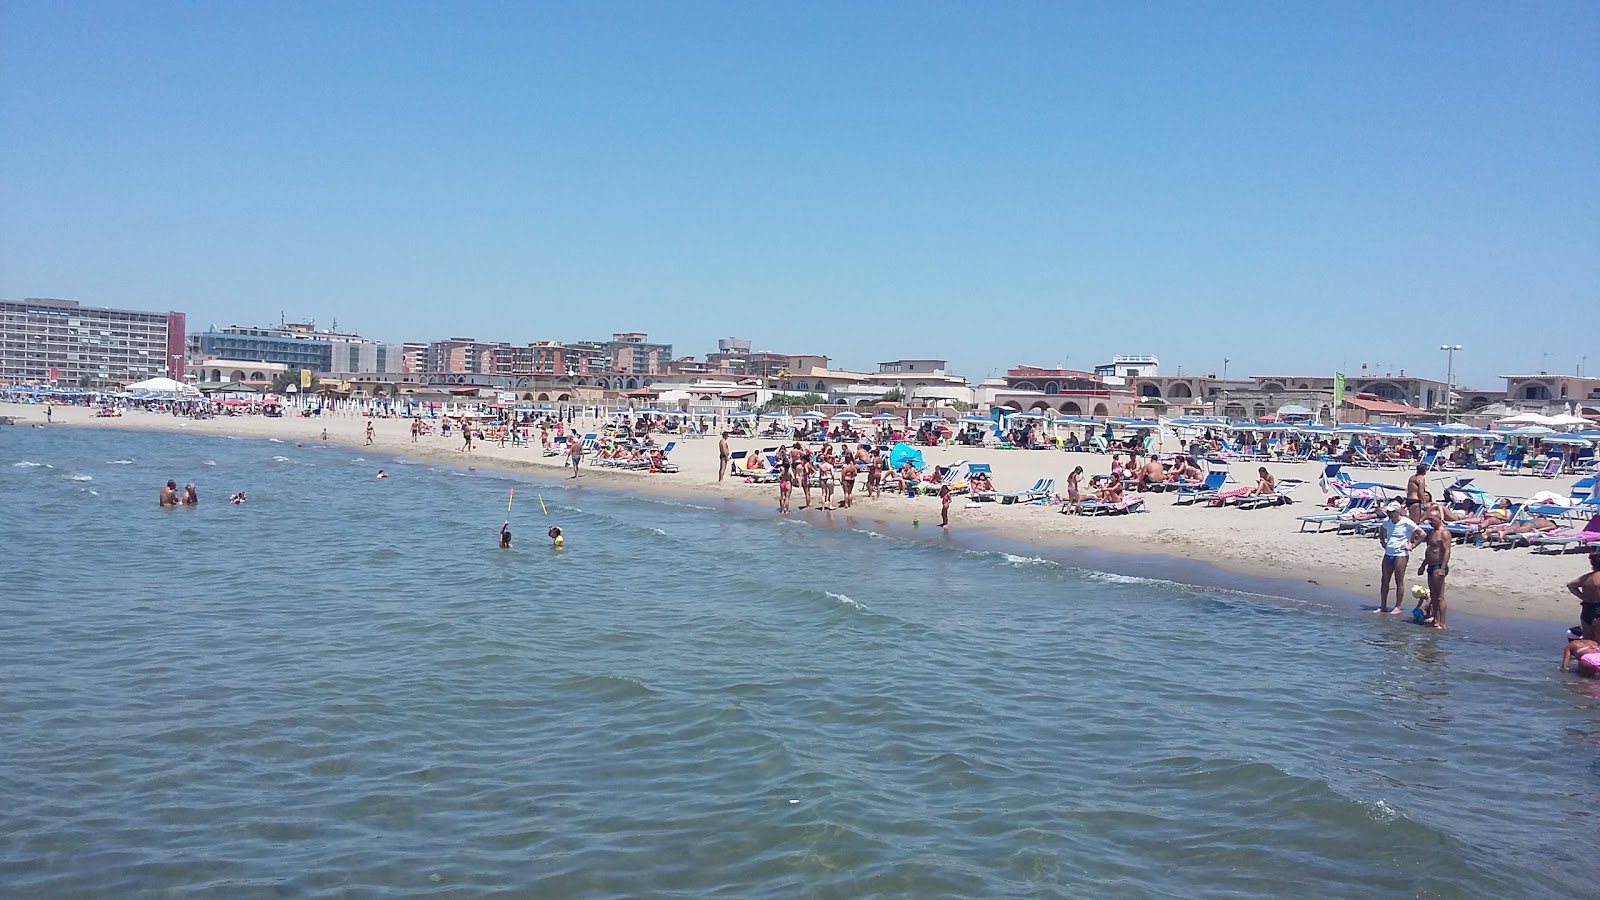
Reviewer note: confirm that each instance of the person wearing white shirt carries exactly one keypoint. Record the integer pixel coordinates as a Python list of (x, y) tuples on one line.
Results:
[(1398, 535)]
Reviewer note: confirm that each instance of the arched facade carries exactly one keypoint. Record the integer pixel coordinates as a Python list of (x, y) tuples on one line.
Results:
[(543, 398), (1101, 410), (1150, 390), (1272, 387), (1071, 408), (1234, 411), (1039, 406), (1180, 391), (236, 375), (1385, 390), (1260, 410)]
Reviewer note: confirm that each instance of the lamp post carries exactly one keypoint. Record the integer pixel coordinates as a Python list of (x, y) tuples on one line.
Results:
[(1449, 378)]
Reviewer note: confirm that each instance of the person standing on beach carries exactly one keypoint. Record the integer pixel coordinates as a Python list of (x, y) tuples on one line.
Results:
[(416, 429), (722, 456), (944, 506), (1435, 565), (825, 478), (847, 481), (369, 434), (169, 495), (1417, 490), (575, 454), (48, 411), (466, 433), (324, 434), (1587, 589), (1398, 535), (785, 481)]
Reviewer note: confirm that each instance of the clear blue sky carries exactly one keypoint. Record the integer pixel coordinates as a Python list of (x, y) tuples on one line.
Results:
[(1297, 187)]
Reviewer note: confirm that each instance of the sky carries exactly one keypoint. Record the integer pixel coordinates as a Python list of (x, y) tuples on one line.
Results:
[(1295, 188)]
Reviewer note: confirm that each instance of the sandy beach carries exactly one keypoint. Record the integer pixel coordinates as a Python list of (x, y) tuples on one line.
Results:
[(1515, 584)]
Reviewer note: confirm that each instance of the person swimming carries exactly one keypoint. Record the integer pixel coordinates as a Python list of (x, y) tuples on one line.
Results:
[(382, 474), (505, 535), (556, 540), (238, 499)]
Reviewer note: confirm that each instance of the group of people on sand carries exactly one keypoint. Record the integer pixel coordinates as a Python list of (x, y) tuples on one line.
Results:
[(170, 497), (825, 469)]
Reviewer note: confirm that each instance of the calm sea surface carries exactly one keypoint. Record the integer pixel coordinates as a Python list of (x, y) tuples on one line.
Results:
[(343, 687)]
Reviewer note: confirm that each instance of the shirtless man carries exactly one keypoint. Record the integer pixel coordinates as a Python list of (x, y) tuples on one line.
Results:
[(1586, 588), (1417, 491), (369, 434), (1436, 565), (1153, 472), (722, 456), (169, 495)]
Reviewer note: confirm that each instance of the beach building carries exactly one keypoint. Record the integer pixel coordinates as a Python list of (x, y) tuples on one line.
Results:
[(298, 345), (1553, 394), (633, 353), (1068, 392), (51, 341), (252, 373), (1129, 367), (460, 356)]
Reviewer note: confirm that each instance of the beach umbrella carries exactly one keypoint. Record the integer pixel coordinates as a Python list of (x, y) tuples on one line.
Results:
[(846, 416), (980, 420), (1026, 415), (1565, 420), (930, 418), (1532, 431), (1528, 418), (809, 415), (1317, 429), (1353, 428), (652, 411), (742, 415), (885, 417), (1567, 439)]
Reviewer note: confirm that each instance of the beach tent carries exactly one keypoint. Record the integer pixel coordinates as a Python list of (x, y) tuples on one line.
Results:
[(161, 386), (903, 452)]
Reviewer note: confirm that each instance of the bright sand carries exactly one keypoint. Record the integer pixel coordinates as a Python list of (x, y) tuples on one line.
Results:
[(1264, 542)]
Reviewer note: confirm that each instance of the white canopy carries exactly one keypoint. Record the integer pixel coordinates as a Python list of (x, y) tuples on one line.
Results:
[(162, 386)]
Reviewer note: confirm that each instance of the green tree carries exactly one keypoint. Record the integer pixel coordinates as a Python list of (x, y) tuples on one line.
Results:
[(894, 395), (282, 380), (784, 401)]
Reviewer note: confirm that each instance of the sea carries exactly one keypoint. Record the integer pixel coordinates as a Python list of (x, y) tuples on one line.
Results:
[(343, 687)]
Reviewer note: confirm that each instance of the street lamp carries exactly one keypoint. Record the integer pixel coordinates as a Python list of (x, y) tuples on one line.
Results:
[(1449, 378)]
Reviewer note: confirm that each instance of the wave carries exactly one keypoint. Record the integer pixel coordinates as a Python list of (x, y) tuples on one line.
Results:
[(658, 531), (208, 462), (280, 459), (75, 476), (864, 531), (845, 599), (1012, 559), (25, 464), (119, 462), (1114, 578), (275, 440)]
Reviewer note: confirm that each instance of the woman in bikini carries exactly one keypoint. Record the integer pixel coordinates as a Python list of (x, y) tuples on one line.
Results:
[(847, 480)]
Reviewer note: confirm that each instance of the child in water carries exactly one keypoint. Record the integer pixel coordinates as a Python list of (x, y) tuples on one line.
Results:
[(556, 540), (1586, 652), (505, 535)]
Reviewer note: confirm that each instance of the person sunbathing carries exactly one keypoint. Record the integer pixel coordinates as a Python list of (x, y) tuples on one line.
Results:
[(1266, 485), (981, 484), (1112, 493), (1507, 533), (755, 463)]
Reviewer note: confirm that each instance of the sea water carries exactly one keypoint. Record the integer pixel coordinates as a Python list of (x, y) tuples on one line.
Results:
[(343, 686)]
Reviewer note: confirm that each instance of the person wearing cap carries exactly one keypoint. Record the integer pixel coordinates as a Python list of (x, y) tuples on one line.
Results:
[(1398, 535)]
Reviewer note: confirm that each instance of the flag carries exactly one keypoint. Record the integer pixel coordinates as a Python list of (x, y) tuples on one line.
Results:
[(1338, 391), (305, 379)]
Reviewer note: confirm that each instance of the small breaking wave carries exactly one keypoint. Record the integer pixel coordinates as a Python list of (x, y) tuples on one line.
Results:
[(208, 462), (25, 464), (119, 462), (275, 440), (846, 600), (280, 459), (1012, 559), (659, 532), (76, 476), (872, 534), (1114, 578)]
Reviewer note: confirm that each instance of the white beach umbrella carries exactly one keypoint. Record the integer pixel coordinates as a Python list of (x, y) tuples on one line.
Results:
[(809, 415), (1565, 420), (848, 415), (1533, 430), (1527, 418), (162, 386)]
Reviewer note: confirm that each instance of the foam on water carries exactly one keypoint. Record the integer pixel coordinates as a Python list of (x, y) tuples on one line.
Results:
[(280, 459), (78, 476), (27, 464), (120, 462), (845, 599)]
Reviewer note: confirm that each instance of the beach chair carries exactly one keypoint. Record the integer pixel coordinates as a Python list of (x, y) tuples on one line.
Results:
[(1131, 503), (1213, 483), (558, 447), (1040, 489), (1550, 468), (1567, 539), (1352, 506), (1278, 497), (1512, 465)]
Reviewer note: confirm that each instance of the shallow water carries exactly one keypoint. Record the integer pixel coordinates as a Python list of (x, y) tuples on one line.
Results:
[(342, 686)]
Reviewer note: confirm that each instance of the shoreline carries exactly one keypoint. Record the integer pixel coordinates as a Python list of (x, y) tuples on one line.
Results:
[(1177, 544)]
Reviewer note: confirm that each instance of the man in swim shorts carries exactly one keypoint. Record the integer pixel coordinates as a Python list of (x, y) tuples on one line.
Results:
[(574, 453), (1436, 565), (1398, 535), (722, 456), (169, 495), (1586, 588)]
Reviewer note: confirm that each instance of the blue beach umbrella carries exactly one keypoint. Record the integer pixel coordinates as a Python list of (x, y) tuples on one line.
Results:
[(847, 416)]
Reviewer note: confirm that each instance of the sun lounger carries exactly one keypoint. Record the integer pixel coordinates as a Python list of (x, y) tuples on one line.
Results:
[(1351, 507), (1131, 503), (1278, 497), (1041, 490), (1562, 541), (1207, 489), (1550, 468)]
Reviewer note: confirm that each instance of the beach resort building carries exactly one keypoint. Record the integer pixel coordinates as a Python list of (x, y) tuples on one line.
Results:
[(1553, 394), (49, 341), (1067, 392), (297, 345)]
